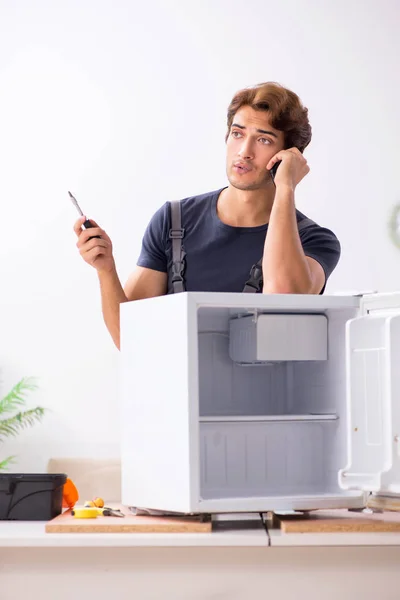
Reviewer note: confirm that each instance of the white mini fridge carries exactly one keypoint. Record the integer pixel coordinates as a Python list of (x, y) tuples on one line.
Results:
[(251, 402)]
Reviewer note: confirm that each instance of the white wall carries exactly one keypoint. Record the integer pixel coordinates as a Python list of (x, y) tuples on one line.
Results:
[(123, 103)]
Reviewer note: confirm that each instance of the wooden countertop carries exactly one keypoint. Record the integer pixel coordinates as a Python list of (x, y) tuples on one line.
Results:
[(247, 533)]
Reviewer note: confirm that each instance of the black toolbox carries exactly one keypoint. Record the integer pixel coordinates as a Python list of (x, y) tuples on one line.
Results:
[(31, 497)]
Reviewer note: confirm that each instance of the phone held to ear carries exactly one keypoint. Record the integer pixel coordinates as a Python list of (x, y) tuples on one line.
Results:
[(87, 224), (274, 170)]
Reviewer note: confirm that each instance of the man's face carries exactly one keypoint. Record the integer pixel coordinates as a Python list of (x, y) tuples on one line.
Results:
[(251, 143)]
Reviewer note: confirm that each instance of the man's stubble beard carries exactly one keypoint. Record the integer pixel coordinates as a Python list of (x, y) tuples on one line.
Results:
[(263, 183)]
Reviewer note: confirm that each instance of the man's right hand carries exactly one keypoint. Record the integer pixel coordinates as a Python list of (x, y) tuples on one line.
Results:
[(97, 252)]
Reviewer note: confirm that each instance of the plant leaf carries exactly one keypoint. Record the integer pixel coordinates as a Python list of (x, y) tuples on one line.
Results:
[(13, 425), (4, 464), (16, 397)]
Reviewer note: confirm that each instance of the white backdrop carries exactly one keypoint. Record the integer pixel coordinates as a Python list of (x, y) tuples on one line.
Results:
[(124, 103)]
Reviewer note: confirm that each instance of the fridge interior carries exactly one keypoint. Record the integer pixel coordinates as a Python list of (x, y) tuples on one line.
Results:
[(273, 429)]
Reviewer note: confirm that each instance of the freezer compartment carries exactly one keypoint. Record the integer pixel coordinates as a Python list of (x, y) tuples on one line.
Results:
[(278, 337), (270, 456)]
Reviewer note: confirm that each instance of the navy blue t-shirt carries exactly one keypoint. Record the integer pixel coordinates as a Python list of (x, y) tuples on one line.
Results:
[(218, 256)]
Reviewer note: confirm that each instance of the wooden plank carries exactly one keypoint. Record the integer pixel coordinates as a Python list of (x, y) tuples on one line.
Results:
[(66, 523), (338, 521), (384, 503)]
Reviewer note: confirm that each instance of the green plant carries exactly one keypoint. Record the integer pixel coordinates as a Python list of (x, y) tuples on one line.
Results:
[(12, 424)]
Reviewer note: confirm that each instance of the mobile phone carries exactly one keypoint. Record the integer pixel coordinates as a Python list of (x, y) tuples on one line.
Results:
[(274, 170), (87, 224)]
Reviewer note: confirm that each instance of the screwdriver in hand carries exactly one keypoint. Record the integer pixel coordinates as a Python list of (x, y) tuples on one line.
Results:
[(87, 224)]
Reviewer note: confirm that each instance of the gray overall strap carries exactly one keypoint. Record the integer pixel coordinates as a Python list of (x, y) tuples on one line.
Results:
[(176, 234), (254, 282)]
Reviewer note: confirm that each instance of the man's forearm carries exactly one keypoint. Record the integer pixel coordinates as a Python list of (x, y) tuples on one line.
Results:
[(112, 295), (285, 267)]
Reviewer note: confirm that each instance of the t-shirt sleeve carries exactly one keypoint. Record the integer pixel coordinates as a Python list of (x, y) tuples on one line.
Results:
[(322, 245), (153, 251)]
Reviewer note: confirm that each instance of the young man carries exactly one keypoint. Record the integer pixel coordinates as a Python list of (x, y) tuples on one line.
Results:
[(228, 231)]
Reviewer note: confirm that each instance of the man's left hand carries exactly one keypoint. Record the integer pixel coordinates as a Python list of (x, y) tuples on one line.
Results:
[(292, 168)]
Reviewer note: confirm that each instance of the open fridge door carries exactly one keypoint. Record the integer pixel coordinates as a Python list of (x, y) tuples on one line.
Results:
[(373, 397)]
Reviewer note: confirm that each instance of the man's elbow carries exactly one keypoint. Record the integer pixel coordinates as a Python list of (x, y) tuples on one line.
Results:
[(285, 286)]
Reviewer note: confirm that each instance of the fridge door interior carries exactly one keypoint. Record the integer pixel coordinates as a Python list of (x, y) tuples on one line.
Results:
[(373, 397)]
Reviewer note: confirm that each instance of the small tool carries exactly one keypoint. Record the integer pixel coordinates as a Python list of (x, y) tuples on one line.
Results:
[(112, 512), (87, 224)]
